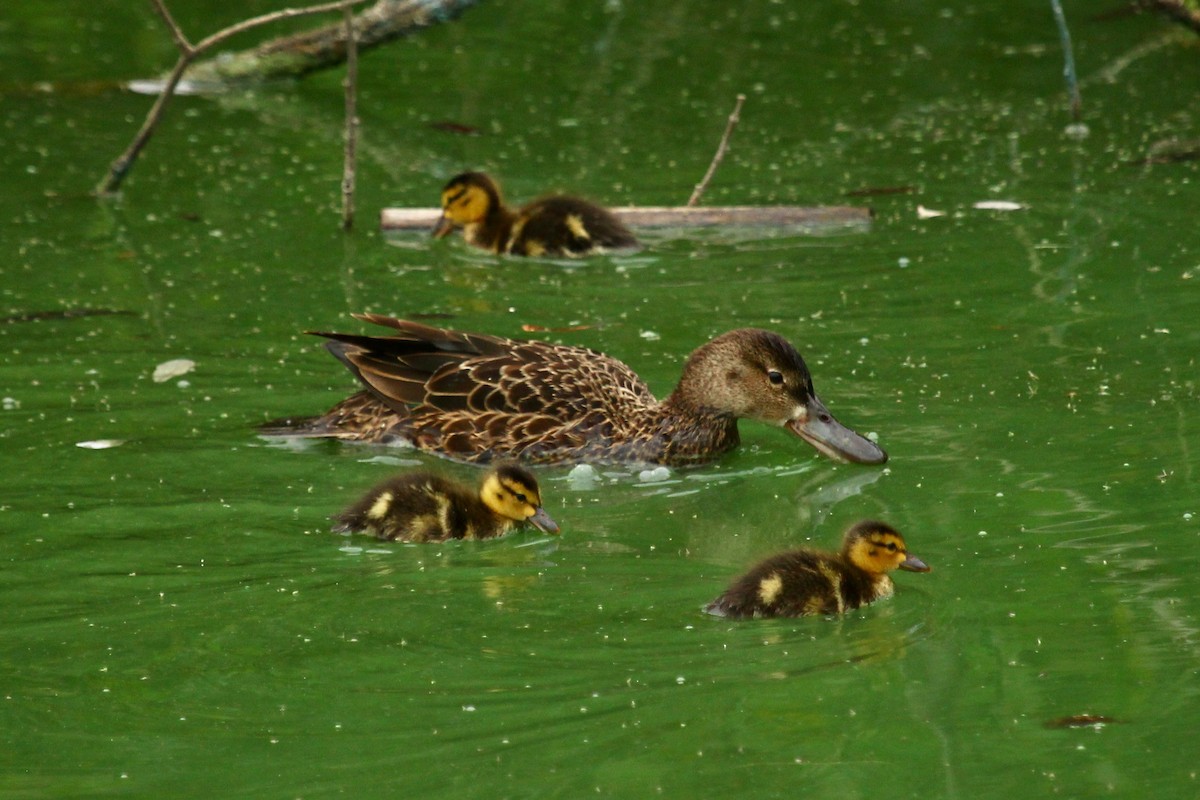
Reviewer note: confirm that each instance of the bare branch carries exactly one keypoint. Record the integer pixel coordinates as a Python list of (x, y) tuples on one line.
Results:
[(188, 53), (734, 118), (264, 19), (181, 40)]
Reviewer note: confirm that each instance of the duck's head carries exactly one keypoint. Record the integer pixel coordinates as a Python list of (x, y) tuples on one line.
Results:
[(467, 200), (511, 491), (757, 374), (878, 548)]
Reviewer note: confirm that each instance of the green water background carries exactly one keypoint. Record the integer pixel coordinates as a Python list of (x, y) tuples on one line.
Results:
[(178, 621)]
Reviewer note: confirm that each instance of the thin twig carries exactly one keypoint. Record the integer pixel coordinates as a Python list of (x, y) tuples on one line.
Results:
[(181, 40), (720, 154), (1068, 60), (348, 167), (274, 16), (187, 54)]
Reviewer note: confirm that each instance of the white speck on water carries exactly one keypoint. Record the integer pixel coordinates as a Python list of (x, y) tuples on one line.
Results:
[(650, 336), (903, 262), (1076, 131)]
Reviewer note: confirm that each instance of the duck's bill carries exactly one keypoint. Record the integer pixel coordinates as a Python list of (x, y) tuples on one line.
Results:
[(914, 564), (443, 227), (832, 438), (541, 520)]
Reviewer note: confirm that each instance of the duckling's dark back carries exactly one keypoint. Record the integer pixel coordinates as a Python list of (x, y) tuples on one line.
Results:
[(567, 225), (419, 507), (794, 584)]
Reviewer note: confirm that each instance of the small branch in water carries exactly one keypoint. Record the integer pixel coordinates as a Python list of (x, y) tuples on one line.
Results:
[(1069, 60), (734, 118), (348, 167)]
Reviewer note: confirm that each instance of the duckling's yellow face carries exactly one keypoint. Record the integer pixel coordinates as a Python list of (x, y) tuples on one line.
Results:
[(877, 548), (466, 200), (512, 492)]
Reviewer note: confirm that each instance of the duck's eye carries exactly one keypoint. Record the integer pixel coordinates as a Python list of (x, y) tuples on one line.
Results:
[(521, 497), (891, 546), (775, 377)]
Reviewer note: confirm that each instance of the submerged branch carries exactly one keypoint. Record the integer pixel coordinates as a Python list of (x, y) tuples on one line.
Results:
[(301, 53), (814, 217), (188, 52)]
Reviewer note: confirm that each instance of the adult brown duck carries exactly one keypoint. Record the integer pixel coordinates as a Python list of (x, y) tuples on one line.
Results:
[(478, 398)]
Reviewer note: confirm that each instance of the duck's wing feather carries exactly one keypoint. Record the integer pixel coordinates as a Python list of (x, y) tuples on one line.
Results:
[(429, 371)]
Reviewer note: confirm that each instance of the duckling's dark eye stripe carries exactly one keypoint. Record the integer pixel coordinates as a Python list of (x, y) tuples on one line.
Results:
[(454, 198)]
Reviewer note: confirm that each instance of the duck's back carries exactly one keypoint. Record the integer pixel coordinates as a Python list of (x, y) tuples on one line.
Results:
[(475, 397), (798, 583)]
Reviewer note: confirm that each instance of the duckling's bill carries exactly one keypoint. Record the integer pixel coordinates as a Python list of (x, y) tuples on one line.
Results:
[(914, 564), (443, 228), (542, 521), (833, 439)]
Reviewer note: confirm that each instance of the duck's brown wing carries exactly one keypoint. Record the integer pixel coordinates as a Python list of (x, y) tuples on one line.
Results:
[(465, 394)]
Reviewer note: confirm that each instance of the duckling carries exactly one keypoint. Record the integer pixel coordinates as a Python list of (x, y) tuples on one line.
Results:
[(552, 226), (424, 507), (803, 582), (472, 397)]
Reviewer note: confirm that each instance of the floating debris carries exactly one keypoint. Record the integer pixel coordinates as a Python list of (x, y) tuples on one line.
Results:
[(998, 205), (583, 477), (654, 475), (531, 328), (100, 444), (173, 369), (447, 126), (929, 213), (1081, 721)]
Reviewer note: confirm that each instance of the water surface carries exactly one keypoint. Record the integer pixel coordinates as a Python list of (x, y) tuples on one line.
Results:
[(179, 618)]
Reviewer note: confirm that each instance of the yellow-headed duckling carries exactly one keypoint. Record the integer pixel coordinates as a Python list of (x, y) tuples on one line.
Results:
[(473, 397), (424, 507), (803, 582), (558, 225)]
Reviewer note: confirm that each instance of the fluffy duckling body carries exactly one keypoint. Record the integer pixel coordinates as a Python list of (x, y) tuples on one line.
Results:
[(803, 582), (552, 226), (472, 397), (424, 507)]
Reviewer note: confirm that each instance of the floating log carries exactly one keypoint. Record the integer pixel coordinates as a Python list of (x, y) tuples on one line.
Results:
[(404, 219)]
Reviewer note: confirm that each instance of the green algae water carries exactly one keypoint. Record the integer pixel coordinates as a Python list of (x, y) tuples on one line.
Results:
[(179, 621)]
